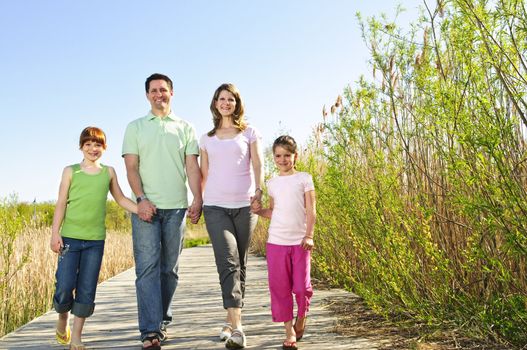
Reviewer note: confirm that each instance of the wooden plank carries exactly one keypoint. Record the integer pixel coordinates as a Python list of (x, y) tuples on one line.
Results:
[(198, 314)]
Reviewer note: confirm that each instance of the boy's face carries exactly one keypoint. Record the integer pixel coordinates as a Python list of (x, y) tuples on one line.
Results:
[(92, 150)]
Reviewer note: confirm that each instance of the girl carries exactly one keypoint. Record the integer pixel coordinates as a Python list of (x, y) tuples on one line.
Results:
[(292, 213), (78, 234), (232, 172)]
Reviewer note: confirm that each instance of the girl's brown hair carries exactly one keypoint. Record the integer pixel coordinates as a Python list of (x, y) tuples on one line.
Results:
[(286, 142), (94, 134)]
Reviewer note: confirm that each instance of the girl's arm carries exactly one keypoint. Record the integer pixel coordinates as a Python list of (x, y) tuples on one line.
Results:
[(60, 210), (257, 163), (266, 212), (118, 195), (311, 216)]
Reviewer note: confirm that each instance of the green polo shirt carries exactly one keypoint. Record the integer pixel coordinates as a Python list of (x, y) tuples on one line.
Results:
[(162, 145)]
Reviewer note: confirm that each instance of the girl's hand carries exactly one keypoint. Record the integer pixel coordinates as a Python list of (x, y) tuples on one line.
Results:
[(55, 242), (307, 243)]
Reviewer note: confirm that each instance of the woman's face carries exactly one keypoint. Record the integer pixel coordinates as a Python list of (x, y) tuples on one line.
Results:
[(226, 103)]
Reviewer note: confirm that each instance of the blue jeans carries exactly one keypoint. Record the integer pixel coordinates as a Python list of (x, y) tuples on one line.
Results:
[(78, 269), (157, 246)]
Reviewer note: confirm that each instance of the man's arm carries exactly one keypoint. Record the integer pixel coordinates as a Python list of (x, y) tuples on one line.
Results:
[(145, 209)]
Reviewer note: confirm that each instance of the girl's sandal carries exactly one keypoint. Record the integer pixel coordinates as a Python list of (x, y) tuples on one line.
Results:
[(63, 338), (289, 345), (226, 331)]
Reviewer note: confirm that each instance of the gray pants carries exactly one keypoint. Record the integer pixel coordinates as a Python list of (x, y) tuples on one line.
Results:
[(230, 232)]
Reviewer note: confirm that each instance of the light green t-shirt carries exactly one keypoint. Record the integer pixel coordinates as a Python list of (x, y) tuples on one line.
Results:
[(86, 205), (162, 145)]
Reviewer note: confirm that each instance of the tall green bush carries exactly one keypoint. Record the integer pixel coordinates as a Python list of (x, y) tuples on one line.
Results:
[(422, 172)]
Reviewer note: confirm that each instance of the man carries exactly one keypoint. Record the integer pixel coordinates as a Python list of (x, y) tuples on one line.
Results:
[(160, 150)]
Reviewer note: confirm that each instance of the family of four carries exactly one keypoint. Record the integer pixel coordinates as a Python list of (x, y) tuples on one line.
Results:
[(160, 151)]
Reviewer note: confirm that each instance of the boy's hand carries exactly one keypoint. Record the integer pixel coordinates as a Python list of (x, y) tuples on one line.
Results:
[(56, 242)]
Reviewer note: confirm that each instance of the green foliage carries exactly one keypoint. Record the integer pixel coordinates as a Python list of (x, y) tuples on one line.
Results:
[(421, 175)]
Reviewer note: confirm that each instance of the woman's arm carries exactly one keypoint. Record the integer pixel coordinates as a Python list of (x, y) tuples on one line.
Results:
[(118, 195), (60, 210), (257, 164)]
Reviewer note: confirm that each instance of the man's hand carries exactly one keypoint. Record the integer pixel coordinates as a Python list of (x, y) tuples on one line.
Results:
[(145, 210)]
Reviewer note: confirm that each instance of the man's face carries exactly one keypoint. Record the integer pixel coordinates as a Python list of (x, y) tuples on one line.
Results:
[(159, 94)]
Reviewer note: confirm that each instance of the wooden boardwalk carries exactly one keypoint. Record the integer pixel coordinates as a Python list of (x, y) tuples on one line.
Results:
[(198, 314)]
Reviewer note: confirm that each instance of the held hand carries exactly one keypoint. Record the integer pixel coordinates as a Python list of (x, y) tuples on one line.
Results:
[(307, 243), (56, 243), (194, 211), (256, 205), (145, 210)]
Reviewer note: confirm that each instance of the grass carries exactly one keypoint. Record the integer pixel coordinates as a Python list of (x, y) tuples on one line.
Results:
[(27, 291)]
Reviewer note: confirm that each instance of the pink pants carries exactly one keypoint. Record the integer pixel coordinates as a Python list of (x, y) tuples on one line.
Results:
[(289, 273)]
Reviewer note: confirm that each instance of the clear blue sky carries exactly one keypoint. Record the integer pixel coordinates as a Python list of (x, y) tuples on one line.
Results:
[(68, 64)]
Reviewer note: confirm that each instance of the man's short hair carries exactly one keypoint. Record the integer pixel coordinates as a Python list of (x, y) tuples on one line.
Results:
[(157, 76)]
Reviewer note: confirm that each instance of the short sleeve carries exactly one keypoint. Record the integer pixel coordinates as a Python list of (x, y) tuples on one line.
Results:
[(130, 140), (203, 142), (252, 134), (192, 142), (308, 183)]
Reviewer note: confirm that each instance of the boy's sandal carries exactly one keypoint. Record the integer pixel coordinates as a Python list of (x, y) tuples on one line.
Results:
[(289, 345), (78, 346), (153, 340), (63, 338), (300, 332)]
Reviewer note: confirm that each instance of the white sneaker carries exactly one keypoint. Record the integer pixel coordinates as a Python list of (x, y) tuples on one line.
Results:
[(236, 340), (226, 331)]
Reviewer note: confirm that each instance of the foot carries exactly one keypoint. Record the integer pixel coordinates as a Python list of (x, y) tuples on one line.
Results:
[(236, 340), (151, 342), (77, 346), (63, 337), (300, 327), (289, 344), (225, 332)]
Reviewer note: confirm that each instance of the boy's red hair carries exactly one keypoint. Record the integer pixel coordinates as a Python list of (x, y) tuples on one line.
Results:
[(94, 134)]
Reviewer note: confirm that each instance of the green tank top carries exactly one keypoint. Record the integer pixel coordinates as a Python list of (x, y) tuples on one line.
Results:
[(86, 206)]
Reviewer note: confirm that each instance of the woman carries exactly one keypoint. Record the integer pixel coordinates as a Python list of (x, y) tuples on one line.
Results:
[(232, 170)]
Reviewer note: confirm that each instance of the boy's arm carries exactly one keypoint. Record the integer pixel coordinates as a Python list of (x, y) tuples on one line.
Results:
[(118, 195), (60, 210)]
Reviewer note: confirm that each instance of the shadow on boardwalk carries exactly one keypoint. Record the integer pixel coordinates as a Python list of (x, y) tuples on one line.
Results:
[(198, 314)]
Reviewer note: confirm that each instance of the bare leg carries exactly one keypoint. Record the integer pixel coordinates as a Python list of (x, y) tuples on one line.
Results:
[(290, 335), (234, 317), (62, 322), (76, 332)]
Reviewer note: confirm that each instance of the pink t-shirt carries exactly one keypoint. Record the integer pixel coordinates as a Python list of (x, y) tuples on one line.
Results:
[(230, 180), (288, 222)]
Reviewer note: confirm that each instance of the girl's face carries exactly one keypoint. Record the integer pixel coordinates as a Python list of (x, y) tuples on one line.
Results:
[(226, 103), (92, 150), (284, 160)]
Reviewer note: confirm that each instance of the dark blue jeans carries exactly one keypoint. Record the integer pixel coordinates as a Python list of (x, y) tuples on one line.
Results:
[(157, 246), (78, 270)]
